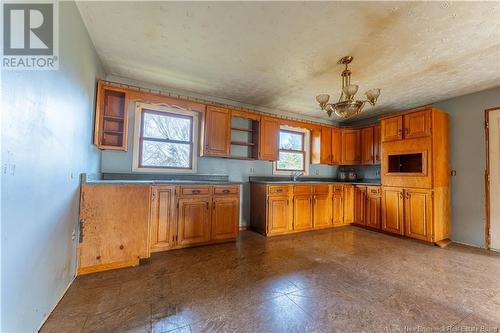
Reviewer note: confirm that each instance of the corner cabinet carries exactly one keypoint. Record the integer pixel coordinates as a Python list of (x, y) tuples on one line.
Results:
[(111, 117), (351, 149)]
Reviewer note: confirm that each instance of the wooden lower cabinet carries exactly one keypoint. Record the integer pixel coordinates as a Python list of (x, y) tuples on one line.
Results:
[(338, 205), (162, 219), (302, 212), (373, 207), (392, 210), (322, 211), (278, 215), (225, 211), (194, 220), (418, 214), (360, 204), (183, 216), (349, 204)]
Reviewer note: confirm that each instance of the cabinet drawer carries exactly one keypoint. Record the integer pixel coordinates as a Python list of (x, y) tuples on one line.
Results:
[(321, 189), (302, 189), (195, 190), (224, 190), (338, 189), (277, 189), (373, 191)]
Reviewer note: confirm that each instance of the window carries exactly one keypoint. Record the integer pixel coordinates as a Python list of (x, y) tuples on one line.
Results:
[(165, 139), (293, 156)]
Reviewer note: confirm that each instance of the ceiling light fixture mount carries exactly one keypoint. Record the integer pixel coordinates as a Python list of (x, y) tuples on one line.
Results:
[(347, 106)]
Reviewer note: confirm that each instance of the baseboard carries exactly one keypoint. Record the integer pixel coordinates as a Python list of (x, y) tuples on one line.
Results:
[(244, 227), (55, 305), (471, 245)]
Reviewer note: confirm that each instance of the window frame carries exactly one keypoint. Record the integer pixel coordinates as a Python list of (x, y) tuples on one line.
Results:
[(305, 150), (139, 138)]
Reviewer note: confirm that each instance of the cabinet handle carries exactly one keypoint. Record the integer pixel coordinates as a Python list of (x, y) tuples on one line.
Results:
[(401, 195), (195, 191), (408, 195), (226, 191), (407, 130), (213, 204), (279, 190), (207, 205)]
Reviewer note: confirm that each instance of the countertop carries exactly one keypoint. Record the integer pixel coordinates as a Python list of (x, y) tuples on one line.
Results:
[(373, 182), (160, 182)]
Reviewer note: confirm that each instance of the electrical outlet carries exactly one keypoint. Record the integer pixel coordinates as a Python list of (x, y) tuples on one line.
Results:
[(252, 170), (316, 172)]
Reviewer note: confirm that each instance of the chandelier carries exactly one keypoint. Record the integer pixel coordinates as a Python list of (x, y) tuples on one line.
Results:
[(347, 106)]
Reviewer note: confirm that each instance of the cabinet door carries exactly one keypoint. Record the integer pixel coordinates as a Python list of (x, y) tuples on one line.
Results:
[(163, 231), (225, 217), (278, 215), (349, 206), (417, 124), (269, 139), (367, 146), (217, 131), (392, 210), (302, 212), (336, 146), (338, 205), (418, 214), (193, 220), (350, 146), (322, 210), (376, 144), (360, 204), (392, 128), (326, 145), (372, 217)]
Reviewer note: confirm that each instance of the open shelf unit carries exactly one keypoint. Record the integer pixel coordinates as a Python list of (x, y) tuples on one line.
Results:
[(244, 138)]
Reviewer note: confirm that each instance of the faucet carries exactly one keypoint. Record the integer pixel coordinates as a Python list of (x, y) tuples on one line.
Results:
[(296, 174)]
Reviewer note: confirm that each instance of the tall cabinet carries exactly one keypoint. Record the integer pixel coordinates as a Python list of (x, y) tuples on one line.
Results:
[(415, 174)]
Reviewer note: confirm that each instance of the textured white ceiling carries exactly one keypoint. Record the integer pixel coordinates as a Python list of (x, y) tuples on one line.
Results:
[(282, 54)]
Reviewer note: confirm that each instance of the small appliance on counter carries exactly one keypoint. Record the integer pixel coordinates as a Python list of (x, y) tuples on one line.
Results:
[(342, 175), (352, 176)]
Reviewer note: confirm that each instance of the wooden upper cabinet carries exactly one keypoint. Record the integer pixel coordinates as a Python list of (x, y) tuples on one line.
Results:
[(269, 139), (225, 217), (336, 146), (193, 220), (163, 226), (217, 132), (111, 117), (377, 144), (367, 146), (372, 217), (418, 214), (351, 146), (392, 210), (349, 204), (278, 215), (326, 145), (417, 124), (391, 128), (338, 205), (302, 212)]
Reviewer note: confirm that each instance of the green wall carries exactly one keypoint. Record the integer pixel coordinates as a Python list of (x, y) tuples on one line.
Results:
[(47, 125)]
